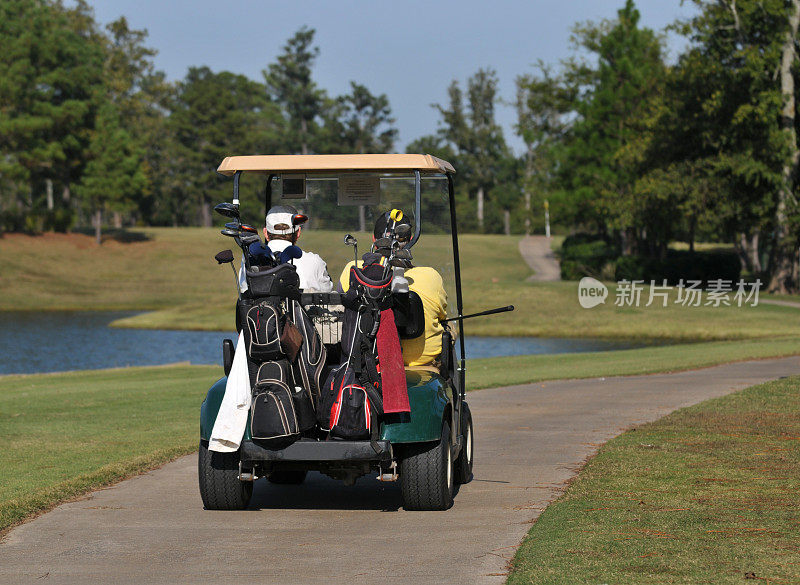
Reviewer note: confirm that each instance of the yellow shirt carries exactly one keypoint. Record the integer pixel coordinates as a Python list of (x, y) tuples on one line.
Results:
[(428, 284)]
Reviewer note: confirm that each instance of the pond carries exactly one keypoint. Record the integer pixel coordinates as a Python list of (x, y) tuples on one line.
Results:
[(56, 341)]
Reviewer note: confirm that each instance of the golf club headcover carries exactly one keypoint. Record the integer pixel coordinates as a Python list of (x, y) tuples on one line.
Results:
[(257, 249), (290, 253)]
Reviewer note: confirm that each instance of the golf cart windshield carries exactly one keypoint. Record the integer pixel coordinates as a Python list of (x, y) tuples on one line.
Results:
[(338, 204)]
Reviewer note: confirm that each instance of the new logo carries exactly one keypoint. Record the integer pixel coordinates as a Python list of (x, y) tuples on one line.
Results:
[(591, 292)]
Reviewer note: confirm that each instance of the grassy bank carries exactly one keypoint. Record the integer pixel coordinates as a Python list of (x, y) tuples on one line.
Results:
[(66, 434), (171, 271), (708, 494)]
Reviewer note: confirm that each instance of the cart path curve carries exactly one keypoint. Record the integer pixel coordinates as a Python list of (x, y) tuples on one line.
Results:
[(536, 252), (530, 440)]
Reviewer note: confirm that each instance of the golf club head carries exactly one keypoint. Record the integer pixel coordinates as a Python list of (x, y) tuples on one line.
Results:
[(403, 231), (350, 240), (248, 228), (227, 209), (232, 225), (249, 238), (400, 263), (229, 232), (290, 253), (299, 219), (383, 243), (224, 257), (402, 254)]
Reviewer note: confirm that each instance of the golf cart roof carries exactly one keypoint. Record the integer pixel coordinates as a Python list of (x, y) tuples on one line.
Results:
[(277, 163)]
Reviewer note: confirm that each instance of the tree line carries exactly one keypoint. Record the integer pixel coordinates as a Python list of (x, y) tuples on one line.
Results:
[(92, 134), (618, 140)]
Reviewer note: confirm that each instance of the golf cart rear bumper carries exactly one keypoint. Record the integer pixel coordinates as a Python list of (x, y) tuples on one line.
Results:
[(319, 452)]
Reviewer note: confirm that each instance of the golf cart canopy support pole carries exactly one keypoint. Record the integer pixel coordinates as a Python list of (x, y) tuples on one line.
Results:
[(457, 266), (417, 209), (236, 176), (268, 198)]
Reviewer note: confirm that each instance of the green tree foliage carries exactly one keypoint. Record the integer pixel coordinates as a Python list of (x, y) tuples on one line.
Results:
[(366, 121), (114, 175), (469, 128), (50, 71), (142, 98), (216, 115), (617, 104), (733, 87), (543, 105), (290, 85)]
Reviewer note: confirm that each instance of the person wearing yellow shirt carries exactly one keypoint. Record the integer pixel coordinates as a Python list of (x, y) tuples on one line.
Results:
[(428, 284)]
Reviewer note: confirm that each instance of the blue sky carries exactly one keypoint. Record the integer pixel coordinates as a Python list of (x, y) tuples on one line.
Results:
[(410, 50)]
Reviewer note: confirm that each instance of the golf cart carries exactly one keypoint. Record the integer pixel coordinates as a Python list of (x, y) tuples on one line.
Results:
[(427, 449)]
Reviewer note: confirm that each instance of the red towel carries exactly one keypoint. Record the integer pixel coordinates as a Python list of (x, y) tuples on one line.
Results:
[(393, 373)]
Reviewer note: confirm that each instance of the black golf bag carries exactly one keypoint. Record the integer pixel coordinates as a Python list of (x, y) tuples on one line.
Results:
[(352, 397), (285, 355)]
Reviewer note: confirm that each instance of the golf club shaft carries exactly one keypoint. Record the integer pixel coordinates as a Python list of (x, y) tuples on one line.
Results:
[(481, 314)]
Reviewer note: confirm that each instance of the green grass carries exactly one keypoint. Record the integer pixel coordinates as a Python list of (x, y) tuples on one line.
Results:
[(708, 494), (66, 434)]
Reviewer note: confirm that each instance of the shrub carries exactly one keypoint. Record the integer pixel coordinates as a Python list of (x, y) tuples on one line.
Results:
[(679, 265), (585, 255)]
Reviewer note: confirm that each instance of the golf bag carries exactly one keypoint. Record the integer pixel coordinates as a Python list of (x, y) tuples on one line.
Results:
[(285, 356), (353, 395)]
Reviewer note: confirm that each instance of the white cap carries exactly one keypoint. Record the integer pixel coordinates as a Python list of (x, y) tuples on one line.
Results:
[(281, 214)]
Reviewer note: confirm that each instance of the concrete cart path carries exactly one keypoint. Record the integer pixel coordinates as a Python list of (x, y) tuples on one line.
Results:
[(536, 252), (530, 439)]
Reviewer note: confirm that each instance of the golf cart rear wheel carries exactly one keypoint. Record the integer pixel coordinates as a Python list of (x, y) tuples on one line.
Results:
[(465, 458), (288, 476), (426, 475), (220, 486)]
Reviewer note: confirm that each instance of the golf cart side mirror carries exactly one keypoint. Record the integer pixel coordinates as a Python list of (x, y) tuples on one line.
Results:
[(224, 257), (227, 209), (299, 219)]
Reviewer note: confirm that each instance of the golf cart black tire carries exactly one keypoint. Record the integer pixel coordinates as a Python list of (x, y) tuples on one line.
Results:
[(466, 459), (288, 476), (424, 479), (220, 486)]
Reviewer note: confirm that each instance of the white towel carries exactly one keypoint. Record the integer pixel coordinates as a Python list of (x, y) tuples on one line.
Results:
[(232, 416)]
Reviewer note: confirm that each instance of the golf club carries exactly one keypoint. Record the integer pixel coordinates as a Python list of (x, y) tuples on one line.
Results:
[(226, 257), (298, 219), (481, 314), (350, 240), (228, 210)]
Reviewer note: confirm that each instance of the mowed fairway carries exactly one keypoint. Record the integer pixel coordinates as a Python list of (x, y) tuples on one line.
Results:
[(172, 272), (708, 494), (65, 434)]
